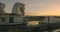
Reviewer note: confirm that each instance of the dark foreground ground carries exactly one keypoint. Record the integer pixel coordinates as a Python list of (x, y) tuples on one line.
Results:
[(18, 28), (24, 28)]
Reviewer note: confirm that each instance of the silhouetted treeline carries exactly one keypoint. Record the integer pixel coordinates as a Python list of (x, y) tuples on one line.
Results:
[(36, 18)]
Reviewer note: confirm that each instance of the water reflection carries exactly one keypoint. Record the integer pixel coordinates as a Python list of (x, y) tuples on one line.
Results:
[(33, 23)]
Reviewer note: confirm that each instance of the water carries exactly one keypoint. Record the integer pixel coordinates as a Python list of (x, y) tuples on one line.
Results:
[(33, 22)]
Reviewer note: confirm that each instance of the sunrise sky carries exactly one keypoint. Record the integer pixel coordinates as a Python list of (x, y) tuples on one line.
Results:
[(36, 7)]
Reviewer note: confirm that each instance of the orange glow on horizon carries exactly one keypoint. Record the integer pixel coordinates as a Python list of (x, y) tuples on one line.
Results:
[(46, 13)]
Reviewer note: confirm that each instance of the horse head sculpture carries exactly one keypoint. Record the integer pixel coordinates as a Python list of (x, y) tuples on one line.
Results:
[(18, 8), (2, 6)]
